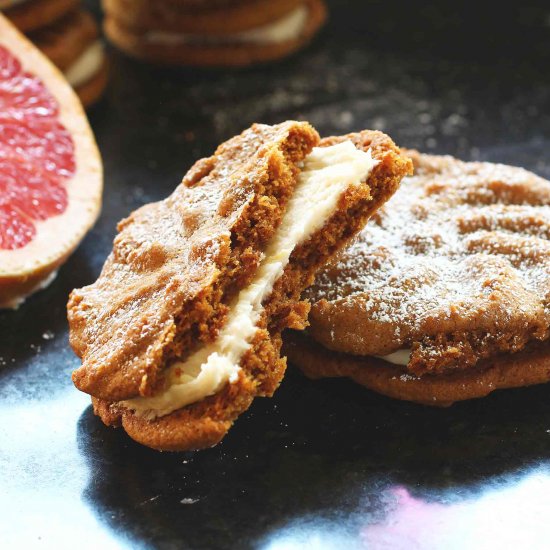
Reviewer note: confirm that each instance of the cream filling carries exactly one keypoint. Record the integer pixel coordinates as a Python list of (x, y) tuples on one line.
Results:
[(287, 28), (5, 4), (326, 174), (86, 66), (399, 357)]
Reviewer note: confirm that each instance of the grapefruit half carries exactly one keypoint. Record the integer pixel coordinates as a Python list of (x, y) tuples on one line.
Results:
[(51, 176)]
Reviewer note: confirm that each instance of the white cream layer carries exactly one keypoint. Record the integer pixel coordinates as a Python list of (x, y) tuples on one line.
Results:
[(326, 174), (399, 357), (287, 28), (86, 65)]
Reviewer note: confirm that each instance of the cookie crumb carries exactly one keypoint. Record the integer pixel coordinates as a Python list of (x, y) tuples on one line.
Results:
[(189, 500)]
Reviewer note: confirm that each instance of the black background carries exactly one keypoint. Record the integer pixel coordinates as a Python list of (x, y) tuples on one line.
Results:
[(320, 462)]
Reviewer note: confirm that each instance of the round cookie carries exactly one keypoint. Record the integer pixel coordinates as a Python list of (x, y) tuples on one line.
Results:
[(35, 14), (221, 54), (221, 18), (526, 368), (66, 42), (66, 39), (447, 286)]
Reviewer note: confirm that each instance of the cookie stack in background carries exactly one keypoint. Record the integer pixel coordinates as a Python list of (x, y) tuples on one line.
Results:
[(212, 32), (69, 36)]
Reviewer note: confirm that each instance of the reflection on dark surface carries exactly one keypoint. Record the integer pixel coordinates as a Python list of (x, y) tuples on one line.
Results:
[(501, 517), (336, 458), (322, 464), (508, 516)]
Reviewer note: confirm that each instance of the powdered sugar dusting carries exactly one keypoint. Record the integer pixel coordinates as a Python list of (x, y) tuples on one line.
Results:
[(461, 247)]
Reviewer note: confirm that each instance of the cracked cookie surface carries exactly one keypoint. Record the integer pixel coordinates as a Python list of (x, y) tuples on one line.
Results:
[(167, 288), (445, 295), (456, 267)]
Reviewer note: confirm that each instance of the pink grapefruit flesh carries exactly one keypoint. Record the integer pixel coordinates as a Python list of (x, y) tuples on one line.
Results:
[(50, 169)]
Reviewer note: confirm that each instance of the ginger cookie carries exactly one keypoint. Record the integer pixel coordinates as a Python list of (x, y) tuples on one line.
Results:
[(67, 38), (182, 329), (206, 19), (30, 15), (526, 368), (445, 295), (73, 44), (268, 42)]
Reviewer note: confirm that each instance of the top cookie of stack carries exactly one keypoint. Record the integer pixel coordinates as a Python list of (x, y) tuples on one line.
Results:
[(69, 36), (212, 33)]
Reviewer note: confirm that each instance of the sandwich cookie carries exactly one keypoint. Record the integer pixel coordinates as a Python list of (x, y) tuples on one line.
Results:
[(182, 329), (30, 15), (236, 35), (199, 18), (73, 44), (445, 295)]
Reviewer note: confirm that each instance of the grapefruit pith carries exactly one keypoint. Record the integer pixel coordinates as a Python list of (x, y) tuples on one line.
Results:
[(51, 175)]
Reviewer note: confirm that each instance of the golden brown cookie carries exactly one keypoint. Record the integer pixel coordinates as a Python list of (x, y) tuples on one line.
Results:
[(210, 19), (73, 44), (199, 286), (67, 38), (202, 50), (453, 272), (35, 14), (525, 368), (456, 268)]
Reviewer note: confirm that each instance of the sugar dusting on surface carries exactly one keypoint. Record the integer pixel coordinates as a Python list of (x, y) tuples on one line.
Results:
[(460, 246)]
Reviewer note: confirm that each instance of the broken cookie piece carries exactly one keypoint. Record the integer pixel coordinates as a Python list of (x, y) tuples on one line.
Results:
[(182, 329)]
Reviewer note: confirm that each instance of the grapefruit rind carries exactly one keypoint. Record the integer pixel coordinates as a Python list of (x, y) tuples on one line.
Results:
[(22, 270)]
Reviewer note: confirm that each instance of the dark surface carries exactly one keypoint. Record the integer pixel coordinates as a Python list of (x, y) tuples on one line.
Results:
[(325, 464)]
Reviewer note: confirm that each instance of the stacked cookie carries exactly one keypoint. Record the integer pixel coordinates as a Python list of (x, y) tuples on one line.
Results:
[(445, 296), (212, 33), (69, 36)]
